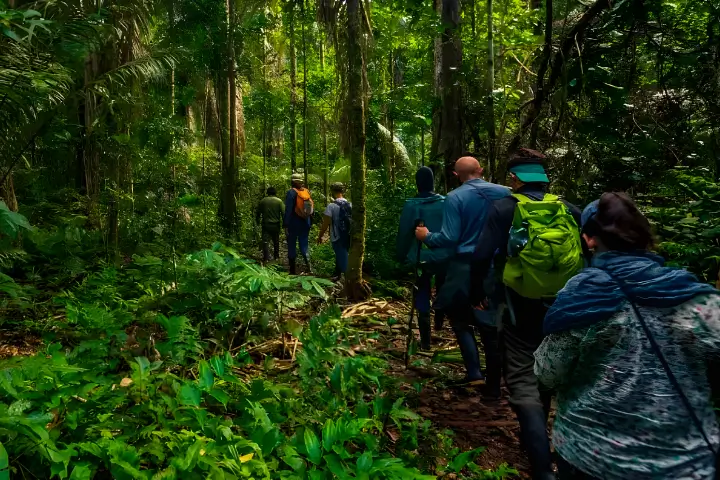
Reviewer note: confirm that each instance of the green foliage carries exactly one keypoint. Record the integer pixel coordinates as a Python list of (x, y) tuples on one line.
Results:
[(689, 226), (74, 414)]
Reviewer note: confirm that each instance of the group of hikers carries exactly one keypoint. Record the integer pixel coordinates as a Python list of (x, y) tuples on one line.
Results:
[(294, 215), (567, 304), (574, 305)]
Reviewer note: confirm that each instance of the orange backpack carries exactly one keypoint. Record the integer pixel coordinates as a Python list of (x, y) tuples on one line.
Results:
[(304, 206)]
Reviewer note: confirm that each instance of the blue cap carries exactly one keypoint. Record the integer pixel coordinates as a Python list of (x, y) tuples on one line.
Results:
[(530, 173), (589, 212)]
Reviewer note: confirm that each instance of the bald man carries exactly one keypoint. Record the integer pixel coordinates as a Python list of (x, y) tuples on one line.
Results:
[(464, 216)]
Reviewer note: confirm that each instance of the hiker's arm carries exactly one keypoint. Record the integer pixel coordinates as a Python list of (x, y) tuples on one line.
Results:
[(327, 220), (492, 240), (406, 234), (557, 356), (258, 214), (449, 234), (289, 205)]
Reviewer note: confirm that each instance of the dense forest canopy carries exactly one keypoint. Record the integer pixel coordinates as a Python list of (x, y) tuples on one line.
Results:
[(175, 115), (133, 132)]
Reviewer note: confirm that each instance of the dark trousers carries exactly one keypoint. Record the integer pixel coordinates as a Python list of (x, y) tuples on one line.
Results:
[(521, 335), (270, 234), (298, 234), (465, 324), (341, 257), (519, 342)]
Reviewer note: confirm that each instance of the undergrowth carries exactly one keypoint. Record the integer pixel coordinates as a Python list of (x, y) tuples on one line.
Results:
[(146, 373)]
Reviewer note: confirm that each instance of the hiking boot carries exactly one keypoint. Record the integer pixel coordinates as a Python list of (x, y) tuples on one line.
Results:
[(465, 335), (466, 382), (424, 325), (293, 266)]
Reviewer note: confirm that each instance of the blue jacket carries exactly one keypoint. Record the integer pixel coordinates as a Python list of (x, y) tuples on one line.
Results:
[(594, 295), (291, 219), (429, 209), (464, 216)]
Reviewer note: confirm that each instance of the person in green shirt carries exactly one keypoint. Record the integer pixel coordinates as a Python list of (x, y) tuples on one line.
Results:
[(269, 216)]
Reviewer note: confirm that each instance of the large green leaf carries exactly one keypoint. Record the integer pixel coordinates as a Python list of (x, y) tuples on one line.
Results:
[(312, 445), (189, 395), (206, 379), (4, 464)]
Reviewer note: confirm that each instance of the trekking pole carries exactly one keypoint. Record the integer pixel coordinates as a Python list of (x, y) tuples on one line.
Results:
[(410, 335)]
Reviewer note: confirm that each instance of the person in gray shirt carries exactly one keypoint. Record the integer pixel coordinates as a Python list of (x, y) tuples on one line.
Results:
[(338, 218)]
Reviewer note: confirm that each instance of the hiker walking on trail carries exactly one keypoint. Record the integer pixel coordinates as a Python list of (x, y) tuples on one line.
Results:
[(425, 207), (338, 218), (269, 215), (628, 347), (532, 239), (464, 214), (299, 209)]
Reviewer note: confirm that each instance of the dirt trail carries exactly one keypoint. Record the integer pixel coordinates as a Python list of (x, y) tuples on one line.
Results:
[(475, 422)]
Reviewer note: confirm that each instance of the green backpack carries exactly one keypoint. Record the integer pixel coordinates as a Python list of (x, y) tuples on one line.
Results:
[(544, 249)]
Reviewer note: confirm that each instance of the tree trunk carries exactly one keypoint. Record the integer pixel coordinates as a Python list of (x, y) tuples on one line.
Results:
[(448, 120), (545, 59), (490, 102), (91, 155), (305, 94), (7, 193), (323, 127), (228, 99), (293, 91), (355, 105)]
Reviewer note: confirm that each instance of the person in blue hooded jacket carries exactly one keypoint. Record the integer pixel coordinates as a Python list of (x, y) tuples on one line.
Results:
[(428, 207), (464, 217), (619, 413)]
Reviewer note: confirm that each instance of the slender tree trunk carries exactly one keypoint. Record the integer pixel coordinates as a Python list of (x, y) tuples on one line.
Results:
[(228, 207), (391, 120), (544, 61), (490, 86), (293, 91), (355, 104), (305, 94), (448, 120), (7, 193), (91, 155), (323, 126), (265, 114)]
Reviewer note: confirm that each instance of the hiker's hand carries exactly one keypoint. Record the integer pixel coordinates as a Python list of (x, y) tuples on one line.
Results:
[(421, 233), (320, 240), (484, 304)]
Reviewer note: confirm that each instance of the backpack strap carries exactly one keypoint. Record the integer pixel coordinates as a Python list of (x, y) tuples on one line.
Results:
[(666, 366), (525, 198)]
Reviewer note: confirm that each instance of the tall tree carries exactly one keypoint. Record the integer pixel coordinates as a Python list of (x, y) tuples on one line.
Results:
[(448, 142), (293, 88), (305, 91), (349, 26), (490, 87)]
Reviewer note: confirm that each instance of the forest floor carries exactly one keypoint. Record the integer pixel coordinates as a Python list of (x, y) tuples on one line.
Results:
[(474, 421)]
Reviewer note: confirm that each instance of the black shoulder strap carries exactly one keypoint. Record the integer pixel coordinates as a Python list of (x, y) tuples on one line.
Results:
[(663, 361)]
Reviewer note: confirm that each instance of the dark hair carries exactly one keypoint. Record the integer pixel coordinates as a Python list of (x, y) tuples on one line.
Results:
[(619, 224), (271, 191), (526, 156), (337, 187)]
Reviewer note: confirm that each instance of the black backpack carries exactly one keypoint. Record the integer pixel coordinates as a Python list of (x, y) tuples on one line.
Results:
[(344, 222)]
